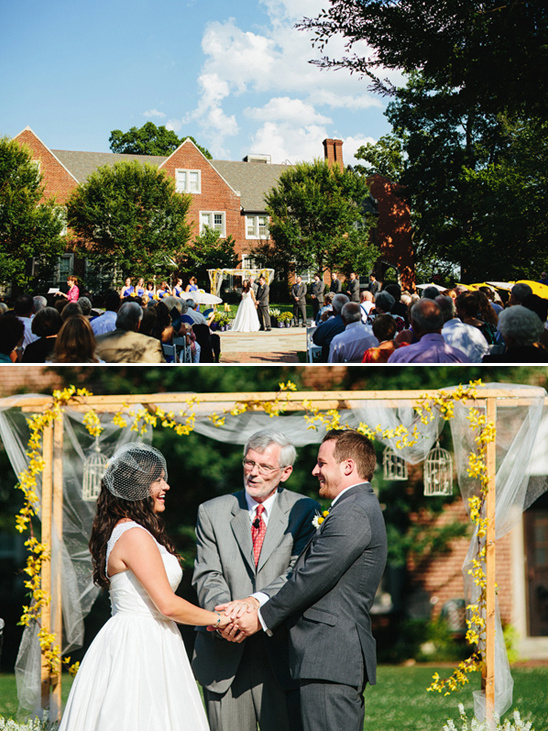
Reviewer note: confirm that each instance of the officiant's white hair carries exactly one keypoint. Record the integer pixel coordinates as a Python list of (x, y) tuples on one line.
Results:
[(264, 438)]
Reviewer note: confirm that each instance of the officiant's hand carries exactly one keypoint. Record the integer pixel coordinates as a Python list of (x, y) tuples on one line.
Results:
[(238, 607)]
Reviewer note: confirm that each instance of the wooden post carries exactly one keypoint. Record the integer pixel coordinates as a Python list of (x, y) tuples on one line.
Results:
[(57, 615), (46, 516), (490, 564)]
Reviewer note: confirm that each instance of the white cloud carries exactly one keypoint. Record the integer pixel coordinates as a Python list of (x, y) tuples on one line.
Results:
[(288, 110), (287, 143), (351, 145), (153, 113)]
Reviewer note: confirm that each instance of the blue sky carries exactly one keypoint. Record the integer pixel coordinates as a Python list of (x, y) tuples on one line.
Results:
[(235, 75)]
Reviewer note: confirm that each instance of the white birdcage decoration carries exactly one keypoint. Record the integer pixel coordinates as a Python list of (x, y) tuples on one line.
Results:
[(94, 469), (438, 472), (394, 467)]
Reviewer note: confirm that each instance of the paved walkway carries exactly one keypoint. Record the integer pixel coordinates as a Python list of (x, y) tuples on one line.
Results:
[(280, 345)]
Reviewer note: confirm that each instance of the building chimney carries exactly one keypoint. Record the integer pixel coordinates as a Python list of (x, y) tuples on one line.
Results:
[(333, 152)]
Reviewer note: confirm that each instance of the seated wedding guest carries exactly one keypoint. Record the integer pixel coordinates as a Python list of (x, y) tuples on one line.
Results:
[(107, 321), (3, 308), (384, 329), (468, 305), (185, 329), (23, 309), (125, 344), (327, 309), (326, 331), (163, 328), (430, 292), (75, 342), (518, 293), (39, 302), (12, 332), (540, 306), (71, 310), (460, 335), (521, 329), (384, 304), (350, 345), (488, 292), (367, 304), (45, 325), (85, 306), (210, 343), (399, 308), (427, 323)]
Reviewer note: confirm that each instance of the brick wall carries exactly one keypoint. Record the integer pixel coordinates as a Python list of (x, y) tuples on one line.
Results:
[(216, 194), (15, 379), (57, 181)]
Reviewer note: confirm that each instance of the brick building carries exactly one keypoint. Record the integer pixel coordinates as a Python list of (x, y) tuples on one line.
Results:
[(228, 196)]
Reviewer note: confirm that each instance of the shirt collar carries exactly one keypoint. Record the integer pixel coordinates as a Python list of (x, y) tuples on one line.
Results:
[(252, 504), (346, 489)]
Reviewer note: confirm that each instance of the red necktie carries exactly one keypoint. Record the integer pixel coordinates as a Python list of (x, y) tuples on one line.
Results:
[(258, 533)]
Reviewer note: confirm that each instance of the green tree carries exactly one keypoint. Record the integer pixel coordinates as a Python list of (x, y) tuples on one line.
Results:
[(490, 51), (208, 251), (129, 215), (319, 220), (149, 140), (29, 226), (385, 157), (475, 183)]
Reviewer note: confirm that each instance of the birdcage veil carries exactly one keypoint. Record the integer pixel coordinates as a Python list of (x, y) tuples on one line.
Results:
[(132, 469)]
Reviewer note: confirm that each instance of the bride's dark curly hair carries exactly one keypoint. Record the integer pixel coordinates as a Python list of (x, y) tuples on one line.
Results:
[(111, 509)]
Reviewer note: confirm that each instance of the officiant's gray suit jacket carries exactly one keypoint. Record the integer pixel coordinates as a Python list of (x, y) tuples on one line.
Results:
[(328, 598), (225, 570)]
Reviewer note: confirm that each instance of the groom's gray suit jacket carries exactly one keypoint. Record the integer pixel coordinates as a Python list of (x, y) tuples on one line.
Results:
[(328, 597), (225, 570)]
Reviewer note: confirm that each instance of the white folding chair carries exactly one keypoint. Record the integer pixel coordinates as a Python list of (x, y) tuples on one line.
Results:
[(313, 351), (182, 350), (170, 353)]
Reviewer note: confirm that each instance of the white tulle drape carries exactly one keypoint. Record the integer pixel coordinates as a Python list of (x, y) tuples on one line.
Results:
[(521, 440)]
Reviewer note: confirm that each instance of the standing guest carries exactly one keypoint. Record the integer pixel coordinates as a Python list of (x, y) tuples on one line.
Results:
[(125, 344), (373, 285), (23, 309), (326, 601), (427, 323), (336, 286), (298, 294), (192, 285), (12, 332), (136, 673), (326, 331), (73, 289), (45, 325), (106, 322), (317, 291), (521, 329), (246, 545), (458, 334), (128, 289), (350, 345), (384, 329), (263, 304), (353, 288), (75, 342)]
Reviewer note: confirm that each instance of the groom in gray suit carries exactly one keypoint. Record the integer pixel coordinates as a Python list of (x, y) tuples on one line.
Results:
[(327, 600), (247, 544)]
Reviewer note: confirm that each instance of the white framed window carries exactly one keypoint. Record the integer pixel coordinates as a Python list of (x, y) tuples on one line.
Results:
[(256, 227), (188, 181), (215, 220), (64, 267), (248, 262)]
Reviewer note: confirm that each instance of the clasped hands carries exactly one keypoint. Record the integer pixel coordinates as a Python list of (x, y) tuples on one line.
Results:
[(243, 619)]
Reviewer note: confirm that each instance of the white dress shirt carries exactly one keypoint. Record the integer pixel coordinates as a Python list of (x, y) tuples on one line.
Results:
[(467, 338)]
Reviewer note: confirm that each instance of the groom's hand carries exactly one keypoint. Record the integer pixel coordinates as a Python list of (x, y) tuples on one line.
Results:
[(238, 607), (249, 623)]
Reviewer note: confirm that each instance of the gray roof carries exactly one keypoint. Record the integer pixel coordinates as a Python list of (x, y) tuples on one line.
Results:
[(252, 180)]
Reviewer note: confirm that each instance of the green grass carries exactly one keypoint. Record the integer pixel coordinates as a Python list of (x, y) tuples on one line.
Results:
[(399, 701)]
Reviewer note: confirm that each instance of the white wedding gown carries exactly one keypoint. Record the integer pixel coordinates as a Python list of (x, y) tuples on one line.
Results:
[(136, 675), (246, 320)]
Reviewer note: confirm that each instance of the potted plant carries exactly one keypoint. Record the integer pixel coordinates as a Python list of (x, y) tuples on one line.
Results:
[(274, 313), (285, 319)]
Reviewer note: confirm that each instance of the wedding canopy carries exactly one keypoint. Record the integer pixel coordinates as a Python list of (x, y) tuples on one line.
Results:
[(216, 276), (66, 517)]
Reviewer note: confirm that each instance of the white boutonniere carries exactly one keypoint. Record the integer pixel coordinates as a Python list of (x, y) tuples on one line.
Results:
[(319, 518)]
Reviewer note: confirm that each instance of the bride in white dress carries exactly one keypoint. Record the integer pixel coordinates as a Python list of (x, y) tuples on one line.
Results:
[(247, 320), (136, 674)]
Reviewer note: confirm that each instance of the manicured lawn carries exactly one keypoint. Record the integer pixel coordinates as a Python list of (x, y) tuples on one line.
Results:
[(399, 701)]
